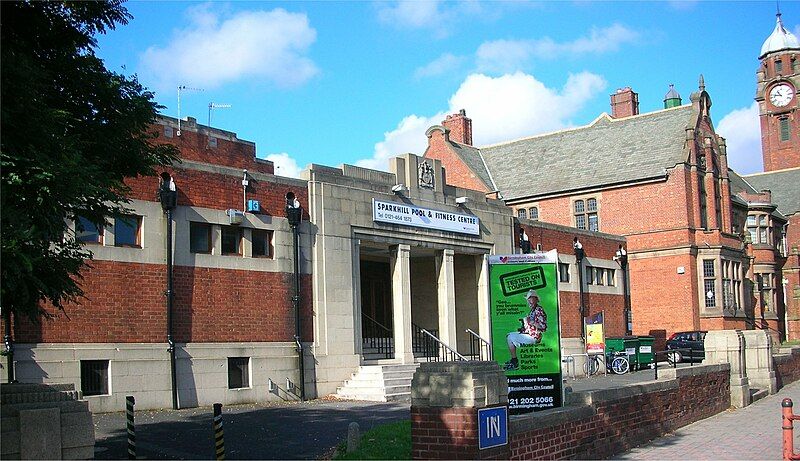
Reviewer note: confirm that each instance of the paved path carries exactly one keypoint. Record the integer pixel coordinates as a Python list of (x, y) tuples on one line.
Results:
[(753, 432)]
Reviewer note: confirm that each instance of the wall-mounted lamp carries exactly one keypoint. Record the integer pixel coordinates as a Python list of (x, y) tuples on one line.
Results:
[(578, 247), (524, 241), (399, 188), (167, 193), (462, 200)]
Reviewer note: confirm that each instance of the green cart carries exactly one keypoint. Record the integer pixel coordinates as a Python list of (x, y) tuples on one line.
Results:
[(629, 345)]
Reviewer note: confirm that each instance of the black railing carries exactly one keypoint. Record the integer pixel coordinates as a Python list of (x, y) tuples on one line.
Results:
[(377, 340), (434, 350), (422, 344), (671, 361), (479, 348)]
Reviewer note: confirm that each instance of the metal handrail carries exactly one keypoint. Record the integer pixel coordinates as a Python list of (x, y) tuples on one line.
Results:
[(673, 363), (444, 348), (421, 344), (383, 345), (482, 345)]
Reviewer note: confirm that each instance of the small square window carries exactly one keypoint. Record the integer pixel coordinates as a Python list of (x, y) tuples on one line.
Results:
[(708, 268), (94, 377), (231, 240), (238, 372), (579, 206), (610, 277), (262, 244), (593, 225), (127, 231), (168, 132), (199, 237), (751, 220), (534, 213), (212, 142), (521, 213), (598, 276), (87, 231), (580, 221), (563, 272), (591, 205)]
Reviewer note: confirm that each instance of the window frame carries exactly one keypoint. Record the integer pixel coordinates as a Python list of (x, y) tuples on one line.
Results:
[(709, 278), (239, 237), (137, 234), (586, 213), (522, 213), (563, 272), (533, 213), (194, 225), (268, 243), (246, 373), (79, 223), (90, 367)]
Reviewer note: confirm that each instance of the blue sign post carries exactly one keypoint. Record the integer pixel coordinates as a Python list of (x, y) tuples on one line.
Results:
[(492, 427)]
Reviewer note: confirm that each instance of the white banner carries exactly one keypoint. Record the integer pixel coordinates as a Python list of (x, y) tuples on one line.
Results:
[(409, 215), (538, 258)]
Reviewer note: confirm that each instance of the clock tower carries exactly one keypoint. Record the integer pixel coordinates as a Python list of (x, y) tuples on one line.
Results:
[(778, 101)]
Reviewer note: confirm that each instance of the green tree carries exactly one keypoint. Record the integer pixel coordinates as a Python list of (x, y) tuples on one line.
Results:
[(72, 131)]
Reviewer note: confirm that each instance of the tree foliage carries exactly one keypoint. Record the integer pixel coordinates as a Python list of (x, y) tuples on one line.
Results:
[(72, 131)]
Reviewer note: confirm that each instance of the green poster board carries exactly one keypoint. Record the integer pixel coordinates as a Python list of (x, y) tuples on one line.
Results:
[(526, 337)]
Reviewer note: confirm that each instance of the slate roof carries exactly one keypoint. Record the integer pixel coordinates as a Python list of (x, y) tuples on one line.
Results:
[(472, 157), (607, 151), (739, 184), (784, 185)]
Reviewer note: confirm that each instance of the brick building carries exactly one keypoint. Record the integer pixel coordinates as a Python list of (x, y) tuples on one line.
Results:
[(367, 286), (705, 244)]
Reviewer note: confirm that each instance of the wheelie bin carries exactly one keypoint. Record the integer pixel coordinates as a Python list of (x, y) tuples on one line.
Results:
[(644, 353), (627, 344)]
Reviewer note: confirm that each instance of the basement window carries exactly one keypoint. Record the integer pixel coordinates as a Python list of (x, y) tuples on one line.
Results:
[(94, 377), (238, 372)]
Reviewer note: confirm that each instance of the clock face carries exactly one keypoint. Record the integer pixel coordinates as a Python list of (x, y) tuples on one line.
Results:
[(781, 95)]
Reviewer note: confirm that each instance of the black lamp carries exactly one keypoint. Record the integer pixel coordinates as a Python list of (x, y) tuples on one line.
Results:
[(167, 194), (294, 212)]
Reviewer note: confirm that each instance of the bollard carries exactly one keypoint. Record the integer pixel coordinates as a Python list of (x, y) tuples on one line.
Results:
[(129, 403), (219, 435), (788, 430), (353, 437)]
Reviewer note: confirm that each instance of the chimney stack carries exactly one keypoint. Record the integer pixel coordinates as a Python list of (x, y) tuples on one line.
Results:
[(624, 103), (460, 127)]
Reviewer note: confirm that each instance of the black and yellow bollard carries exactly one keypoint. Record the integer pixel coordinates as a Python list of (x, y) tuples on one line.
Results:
[(219, 434), (129, 403)]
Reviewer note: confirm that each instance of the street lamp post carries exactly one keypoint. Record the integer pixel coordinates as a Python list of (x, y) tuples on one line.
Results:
[(621, 257), (294, 214), (168, 196), (579, 255)]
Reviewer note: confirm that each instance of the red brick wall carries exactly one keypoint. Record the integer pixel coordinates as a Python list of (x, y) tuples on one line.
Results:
[(662, 299), (791, 272), (619, 425), (787, 368), (448, 433), (458, 173), (125, 303)]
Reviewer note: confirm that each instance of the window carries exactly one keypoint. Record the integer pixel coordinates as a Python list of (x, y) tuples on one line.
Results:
[(563, 272), (231, 240), (212, 142), (199, 237), (709, 283), (586, 214), (785, 135), (759, 228), (238, 372), (589, 275), (766, 289), (778, 66), (87, 231), (610, 277), (168, 132), (127, 231), (533, 212), (728, 301), (599, 276), (262, 244), (94, 377), (521, 213)]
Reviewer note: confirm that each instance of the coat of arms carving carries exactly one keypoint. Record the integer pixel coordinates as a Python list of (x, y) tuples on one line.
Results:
[(426, 175)]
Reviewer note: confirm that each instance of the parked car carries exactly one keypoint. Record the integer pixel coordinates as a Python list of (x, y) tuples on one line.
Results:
[(691, 340)]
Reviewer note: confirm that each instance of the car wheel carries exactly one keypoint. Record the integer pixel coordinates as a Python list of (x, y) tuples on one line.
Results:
[(674, 357)]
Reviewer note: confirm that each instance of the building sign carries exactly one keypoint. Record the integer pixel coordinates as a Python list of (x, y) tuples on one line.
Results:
[(595, 337), (526, 340), (409, 215), (492, 427)]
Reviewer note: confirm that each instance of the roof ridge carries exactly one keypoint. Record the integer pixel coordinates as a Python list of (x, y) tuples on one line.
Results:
[(603, 115), (771, 172)]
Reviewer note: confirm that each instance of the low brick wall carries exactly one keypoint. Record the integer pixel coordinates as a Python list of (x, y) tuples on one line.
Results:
[(601, 424), (787, 366)]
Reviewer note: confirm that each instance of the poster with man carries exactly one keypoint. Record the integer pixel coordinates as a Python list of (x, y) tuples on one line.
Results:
[(526, 335)]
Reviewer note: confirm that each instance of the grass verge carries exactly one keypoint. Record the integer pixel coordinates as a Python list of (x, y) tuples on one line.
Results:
[(388, 441)]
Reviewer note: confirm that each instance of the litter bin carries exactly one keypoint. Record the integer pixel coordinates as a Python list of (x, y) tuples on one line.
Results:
[(644, 353), (627, 344)]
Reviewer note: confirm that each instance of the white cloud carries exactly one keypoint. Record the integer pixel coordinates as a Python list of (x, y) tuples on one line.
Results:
[(435, 15), (285, 165), (213, 50), (439, 66), (502, 108), (742, 132), (512, 55)]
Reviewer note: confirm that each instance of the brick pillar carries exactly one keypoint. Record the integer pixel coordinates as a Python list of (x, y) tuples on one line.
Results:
[(460, 127), (445, 399), (728, 346)]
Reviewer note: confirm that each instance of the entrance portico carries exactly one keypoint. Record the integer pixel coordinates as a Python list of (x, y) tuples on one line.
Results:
[(397, 259)]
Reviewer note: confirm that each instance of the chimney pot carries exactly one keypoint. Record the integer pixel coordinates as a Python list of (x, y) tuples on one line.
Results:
[(624, 103), (460, 127)]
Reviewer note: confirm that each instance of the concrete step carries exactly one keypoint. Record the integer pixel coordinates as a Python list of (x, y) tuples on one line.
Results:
[(758, 394), (379, 383)]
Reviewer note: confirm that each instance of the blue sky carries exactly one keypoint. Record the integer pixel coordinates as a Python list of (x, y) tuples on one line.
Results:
[(359, 82)]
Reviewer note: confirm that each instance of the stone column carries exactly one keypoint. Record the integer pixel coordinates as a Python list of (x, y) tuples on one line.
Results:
[(482, 274), (758, 360), (446, 292), (401, 302), (727, 346), (445, 399)]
